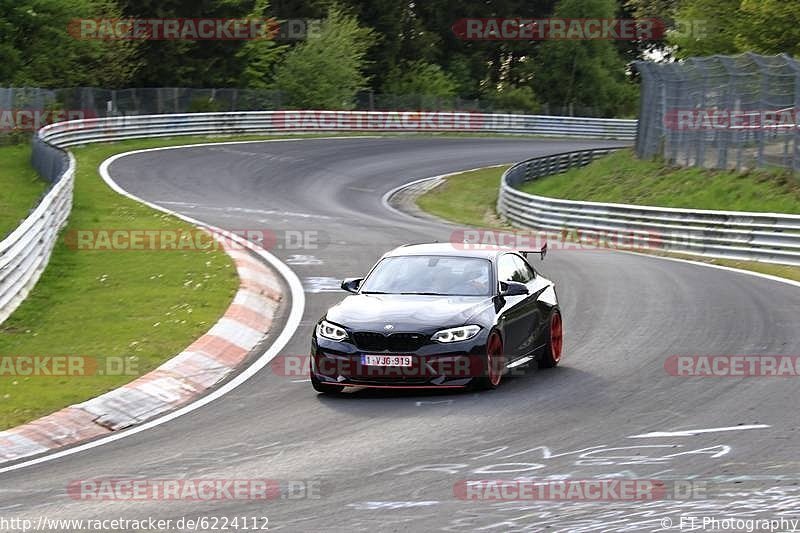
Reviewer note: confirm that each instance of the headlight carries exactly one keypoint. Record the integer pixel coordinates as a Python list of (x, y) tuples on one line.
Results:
[(331, 331), (456, 334)]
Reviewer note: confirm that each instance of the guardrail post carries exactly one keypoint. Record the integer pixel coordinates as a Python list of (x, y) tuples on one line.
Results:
[(753, 236), (41, 228)]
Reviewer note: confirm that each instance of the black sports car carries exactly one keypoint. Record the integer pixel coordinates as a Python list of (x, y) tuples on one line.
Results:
[(438, 315)]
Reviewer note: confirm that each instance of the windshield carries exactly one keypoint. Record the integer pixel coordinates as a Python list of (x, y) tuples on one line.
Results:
[(427, 274)]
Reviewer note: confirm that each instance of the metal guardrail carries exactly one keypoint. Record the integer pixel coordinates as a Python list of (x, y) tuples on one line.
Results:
[(133, 126), (26, 251), (765, 237)]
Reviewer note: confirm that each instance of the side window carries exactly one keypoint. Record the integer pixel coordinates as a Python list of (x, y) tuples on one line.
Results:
[(506, 268), (524, 273)]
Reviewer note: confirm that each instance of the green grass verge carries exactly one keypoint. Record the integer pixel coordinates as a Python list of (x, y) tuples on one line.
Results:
[(20, 186), (622, 178), (470, 198), (143, 307)]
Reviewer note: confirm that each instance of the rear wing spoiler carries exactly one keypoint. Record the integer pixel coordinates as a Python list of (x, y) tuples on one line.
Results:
[(542, 252)]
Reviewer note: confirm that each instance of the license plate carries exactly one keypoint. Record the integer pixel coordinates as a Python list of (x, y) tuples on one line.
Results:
[(386, 360)]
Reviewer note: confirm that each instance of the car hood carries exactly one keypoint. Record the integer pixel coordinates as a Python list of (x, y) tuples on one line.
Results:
[(406, 312)]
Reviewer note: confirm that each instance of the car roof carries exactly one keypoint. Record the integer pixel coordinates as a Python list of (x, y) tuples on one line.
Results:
[(453, 249)]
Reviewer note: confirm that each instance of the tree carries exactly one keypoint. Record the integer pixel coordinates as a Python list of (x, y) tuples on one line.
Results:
[(586, 76), (185, 63), (708, 27), (259, 55), (420, 77), (327, 71), (735, 26), (36, 48), (514, 100), (398, 35), (772, 27)]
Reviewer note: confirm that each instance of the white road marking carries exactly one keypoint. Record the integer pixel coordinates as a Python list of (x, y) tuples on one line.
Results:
[(442, 402), (295, 259), (693, 432), (246, 210), (322, 284), (718, 267), (388, 195), (292, 321), (373, 506)]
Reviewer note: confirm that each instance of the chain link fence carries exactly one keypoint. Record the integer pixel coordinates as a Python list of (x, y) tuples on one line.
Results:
[(167, 100), (726, 112)]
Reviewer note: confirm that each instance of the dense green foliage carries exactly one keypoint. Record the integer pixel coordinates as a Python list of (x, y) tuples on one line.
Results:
[(706, 27), (585, 73), (38, 50), (385, 46), (325, 72)]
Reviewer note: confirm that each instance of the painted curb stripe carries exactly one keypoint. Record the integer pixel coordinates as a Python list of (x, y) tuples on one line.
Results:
[(206, 362), (293, 321)]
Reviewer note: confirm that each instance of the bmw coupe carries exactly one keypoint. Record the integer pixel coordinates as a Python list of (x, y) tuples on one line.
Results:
[(438, 315)]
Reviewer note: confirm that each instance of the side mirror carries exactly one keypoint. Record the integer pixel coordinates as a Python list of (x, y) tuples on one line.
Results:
[(351, 284), (513, 288)]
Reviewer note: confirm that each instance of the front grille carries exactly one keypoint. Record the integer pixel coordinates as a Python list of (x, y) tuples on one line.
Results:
[(405, 342), (370, 341), (396, 342)]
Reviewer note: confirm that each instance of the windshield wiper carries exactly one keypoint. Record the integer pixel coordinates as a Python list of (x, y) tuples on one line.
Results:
[(407, 293), (425, 293)]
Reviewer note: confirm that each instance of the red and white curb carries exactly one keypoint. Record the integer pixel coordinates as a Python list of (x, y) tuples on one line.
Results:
[(256, 290), (206, 362)]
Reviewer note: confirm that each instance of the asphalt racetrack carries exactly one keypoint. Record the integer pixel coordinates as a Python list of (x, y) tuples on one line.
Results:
[(390, 461)]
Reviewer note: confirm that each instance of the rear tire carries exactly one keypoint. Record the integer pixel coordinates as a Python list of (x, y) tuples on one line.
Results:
[(495, 363), (555, 342)]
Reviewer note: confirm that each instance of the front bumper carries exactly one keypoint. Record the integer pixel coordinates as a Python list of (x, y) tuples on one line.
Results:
[(436, 365)]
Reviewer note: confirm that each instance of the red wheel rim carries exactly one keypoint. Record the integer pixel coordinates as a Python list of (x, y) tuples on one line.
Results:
[(556, 337), (494, 359)]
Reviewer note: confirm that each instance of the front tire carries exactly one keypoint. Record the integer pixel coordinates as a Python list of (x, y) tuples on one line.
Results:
[(555, 342), (495, 362)]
